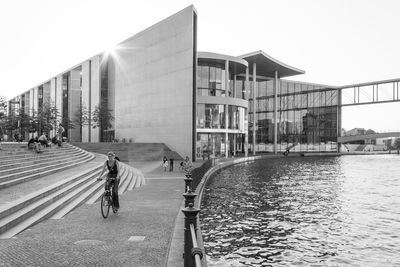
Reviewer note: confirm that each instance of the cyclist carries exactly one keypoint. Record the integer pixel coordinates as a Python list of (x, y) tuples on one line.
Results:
[(113, 169)]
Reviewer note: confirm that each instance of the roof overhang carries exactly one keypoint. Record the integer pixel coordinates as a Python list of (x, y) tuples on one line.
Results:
[(267, 66), (239, 65)]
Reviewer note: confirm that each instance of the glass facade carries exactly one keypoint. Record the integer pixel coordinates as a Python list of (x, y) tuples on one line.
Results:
[(210, 116), (306, 117), (220, 128), (65, 110), (211, 81)]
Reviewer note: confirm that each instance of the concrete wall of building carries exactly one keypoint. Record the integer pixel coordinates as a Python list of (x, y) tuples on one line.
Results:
[(151, 74)]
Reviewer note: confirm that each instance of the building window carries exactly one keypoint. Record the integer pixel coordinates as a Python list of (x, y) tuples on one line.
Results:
[(210, 116), (211, 80)]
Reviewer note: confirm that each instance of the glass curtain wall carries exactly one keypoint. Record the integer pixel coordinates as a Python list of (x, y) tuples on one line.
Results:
[(106, 135), (220, 127), (307, 117), (210, 143), (211, 79), (210, 116), (65, 91)]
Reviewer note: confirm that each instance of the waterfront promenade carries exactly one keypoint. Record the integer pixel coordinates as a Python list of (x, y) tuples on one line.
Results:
[(139, 235)]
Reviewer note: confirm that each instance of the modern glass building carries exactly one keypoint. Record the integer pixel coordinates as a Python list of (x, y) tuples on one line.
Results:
[(161, 89)]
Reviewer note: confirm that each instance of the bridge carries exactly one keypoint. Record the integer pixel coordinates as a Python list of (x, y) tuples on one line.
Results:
[(350, 138), (370, 93)]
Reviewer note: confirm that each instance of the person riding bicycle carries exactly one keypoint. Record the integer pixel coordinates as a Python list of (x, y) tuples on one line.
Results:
[(112, 177)]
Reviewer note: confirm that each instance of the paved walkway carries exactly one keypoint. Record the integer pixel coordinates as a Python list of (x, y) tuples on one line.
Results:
[(139, 235)]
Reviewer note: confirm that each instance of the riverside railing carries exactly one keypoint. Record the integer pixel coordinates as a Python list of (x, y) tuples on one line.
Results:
[(193, 253)]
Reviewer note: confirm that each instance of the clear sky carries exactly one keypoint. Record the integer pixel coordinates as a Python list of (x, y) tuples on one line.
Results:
[(337, 42)]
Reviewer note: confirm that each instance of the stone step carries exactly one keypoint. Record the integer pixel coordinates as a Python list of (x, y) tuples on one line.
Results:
[(93, 187), (29, 155), (126, 177), (35, 157), (15, 214), (18, 204), (19, 172), (32, 154), (55, 201), (42, 172), (26, 165)]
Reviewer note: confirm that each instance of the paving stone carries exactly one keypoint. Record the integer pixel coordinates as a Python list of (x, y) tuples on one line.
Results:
[(84, 238)]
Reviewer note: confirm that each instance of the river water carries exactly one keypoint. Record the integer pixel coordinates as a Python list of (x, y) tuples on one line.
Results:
[(331, 211)]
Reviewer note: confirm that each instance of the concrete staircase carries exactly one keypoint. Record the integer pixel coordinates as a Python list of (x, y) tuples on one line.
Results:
[(59, 198), (132, 151), (18, 164)]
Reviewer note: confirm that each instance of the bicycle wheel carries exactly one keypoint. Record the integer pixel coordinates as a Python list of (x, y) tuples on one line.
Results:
[(105, 205)]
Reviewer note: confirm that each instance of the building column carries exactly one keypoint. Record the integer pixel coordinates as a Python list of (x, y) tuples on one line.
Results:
[(246, 96), (234, 144), (74, 104), (226, 107), (254, 105), (234, 86), (94, 99), (86, 99), (275, 112), (339, 118)]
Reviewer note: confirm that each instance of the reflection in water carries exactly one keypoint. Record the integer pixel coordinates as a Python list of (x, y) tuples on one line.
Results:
[(337, 211)]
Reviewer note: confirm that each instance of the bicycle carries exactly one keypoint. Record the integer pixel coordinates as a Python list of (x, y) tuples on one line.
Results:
[(107, 200)]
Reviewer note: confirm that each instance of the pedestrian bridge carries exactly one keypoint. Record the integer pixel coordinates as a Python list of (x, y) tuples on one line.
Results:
[(350, 138)]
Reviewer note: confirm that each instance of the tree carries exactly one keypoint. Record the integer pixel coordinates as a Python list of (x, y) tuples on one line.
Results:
[(396, 144), (10, 124), (3, 115), (82, 116)]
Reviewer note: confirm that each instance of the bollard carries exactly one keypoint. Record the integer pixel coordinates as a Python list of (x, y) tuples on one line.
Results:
[(189, 198), (188, 183), (190, 218)]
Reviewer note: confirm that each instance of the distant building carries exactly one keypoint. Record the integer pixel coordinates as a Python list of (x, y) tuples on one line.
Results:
[(356, 131)]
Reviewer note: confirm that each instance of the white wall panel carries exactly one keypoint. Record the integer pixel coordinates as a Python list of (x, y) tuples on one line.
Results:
[(152, 76)]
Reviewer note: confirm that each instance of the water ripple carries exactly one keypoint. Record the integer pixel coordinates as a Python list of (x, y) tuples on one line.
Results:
[(341, 211)]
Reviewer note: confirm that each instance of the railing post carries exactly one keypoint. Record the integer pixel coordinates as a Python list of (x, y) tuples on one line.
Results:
[(189, 198), (188, 182), (190, 218)]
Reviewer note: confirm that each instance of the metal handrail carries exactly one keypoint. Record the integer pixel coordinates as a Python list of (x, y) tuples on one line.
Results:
[(195, 250)]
